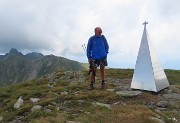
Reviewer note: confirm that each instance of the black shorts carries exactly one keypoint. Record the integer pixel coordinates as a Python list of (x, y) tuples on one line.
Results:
[(101, 62)]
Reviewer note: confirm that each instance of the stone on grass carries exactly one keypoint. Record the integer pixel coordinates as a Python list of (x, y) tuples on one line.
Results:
[(157, 120), (34, 100), (129, 93), (50, 86), (54, 103), (172, 96), (72, 122), (36, 107), (47, 110), (81, 101), (102, 105), (111, 90), (88, 113), (158, 111), (64, 93), (150, 104), (19, 103), (1, 118), (162, 104), (173, 119), (58, 108)]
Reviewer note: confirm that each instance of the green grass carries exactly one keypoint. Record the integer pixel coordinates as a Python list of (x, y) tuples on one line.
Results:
[(173, 76), (119, 113), (77, 104), (119, 73)]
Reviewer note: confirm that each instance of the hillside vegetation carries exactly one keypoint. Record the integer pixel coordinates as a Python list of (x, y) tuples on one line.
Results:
[(16, 67), (64, 96)]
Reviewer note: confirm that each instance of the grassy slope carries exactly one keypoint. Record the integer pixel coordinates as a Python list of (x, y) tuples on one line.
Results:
[(173, 76), (17, 68), (77, 104)]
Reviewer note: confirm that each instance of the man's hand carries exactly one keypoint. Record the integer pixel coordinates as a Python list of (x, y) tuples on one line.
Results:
[(90, 61)]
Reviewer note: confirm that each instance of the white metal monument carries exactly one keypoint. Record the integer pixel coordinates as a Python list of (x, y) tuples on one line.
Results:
[(148, 73)]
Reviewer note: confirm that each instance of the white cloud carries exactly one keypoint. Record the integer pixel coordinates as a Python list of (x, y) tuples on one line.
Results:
[(60, 27)]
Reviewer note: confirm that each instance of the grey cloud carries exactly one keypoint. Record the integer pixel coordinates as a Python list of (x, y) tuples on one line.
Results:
[(41, 24), (62, 26), (168, 8)]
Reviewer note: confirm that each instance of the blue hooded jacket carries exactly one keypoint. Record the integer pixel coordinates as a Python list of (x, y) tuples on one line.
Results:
[(97, 47)]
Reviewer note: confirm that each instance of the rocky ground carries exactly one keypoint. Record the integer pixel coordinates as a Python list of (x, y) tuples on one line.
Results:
[(64, 97)]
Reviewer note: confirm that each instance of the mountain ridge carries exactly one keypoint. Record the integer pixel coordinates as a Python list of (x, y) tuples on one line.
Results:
[(16, 67)]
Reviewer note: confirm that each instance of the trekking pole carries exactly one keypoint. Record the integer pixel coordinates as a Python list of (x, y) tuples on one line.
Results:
[(91, 70), (84, 47)]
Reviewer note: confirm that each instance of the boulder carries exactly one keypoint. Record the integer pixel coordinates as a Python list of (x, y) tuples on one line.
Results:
[(19, 103), (1, 118), (64, 93), (54, 103), (111, 90), (81, 101), (172, 96), (50, 86), (47, 110), (19, 119), (102, 104), (35, 108), (150, 104), (157, 120), (72, 122), (162, 104), (128, 93), (88, 113), (34, 100)]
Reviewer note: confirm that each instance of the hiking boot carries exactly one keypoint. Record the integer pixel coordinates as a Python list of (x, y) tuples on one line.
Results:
[(91, 87), (103, 85)]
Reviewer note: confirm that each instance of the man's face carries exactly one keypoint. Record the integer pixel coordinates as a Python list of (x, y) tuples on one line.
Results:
[(98, 31)]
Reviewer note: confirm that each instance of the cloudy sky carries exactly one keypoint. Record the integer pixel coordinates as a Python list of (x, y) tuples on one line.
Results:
[(60, 27)]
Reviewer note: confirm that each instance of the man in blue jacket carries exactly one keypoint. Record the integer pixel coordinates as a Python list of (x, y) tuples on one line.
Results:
[(97, 50)]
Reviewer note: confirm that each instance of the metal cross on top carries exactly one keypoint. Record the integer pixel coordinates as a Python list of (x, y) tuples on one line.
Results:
[(145, 23)]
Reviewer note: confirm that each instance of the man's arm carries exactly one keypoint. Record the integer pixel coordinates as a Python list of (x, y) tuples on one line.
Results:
[(89, 48), (106, 45)]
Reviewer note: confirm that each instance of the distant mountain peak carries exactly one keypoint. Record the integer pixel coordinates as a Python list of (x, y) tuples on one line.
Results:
[(34, 55), (14, 51)]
